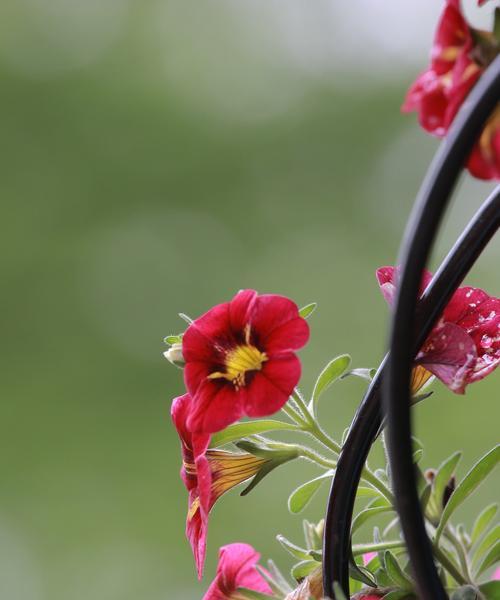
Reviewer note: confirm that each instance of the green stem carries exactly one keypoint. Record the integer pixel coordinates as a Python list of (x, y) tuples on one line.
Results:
[(317, 458), (371, 478), (449, 565), (462, 555), (297, 397), (359, 549), (293, 415), (319, 434)]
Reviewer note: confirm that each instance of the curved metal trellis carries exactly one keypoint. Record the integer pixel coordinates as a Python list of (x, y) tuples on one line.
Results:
[(411, 325)]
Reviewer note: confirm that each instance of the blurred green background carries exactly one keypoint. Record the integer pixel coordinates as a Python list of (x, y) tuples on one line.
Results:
[(157, 157)]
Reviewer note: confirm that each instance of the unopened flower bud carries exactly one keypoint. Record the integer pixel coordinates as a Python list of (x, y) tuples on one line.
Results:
[(174, 355)]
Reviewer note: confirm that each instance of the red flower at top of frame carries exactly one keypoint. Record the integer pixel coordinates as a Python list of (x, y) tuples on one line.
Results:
[(464, 346), (236, 568), (457, 61), (240, 360), (207, 474)]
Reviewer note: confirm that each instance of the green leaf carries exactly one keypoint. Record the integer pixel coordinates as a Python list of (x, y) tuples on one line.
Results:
[(490, 559), (398, 595), (489, 539), (379, 501), (293, 549), (417, 456), (482, 522), (467, 592), (173, 339), (360, 573), (468, 484), (333, 370), (367, 492), (301, 497), (367, 374), (366, 514), (443, 476), (248, 594), (307, 310), (184, 317), (240, 430), (275, 578), (316, 555), (490, 590), (425, 496), (395, 572), (338, 591), (303, 569)]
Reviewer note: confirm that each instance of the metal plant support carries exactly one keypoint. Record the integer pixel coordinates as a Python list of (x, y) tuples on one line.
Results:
[(388, 397)]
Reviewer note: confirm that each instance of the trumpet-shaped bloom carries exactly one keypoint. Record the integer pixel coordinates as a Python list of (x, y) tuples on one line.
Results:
[(207, 474), (240, 359), (459, 56), (236, 569), (464, 346)]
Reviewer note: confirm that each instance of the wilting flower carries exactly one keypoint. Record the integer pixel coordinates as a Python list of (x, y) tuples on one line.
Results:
[(459, 56), (464, 346), (310, 588), (240, 360), (236, 569), (207, 474)]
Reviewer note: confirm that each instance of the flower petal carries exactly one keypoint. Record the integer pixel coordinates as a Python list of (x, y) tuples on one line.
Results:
[(272, 386), (240, 308), (215, 406), (292, 335), (196, 533), (236, 569), (450, 354), (269, 312)]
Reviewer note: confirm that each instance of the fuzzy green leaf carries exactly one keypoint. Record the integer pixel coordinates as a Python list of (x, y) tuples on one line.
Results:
[(173, 339), (360, 549), (395, 572), (490, 559), (490, 590), (367, 492), (492, 537), (301, 497), (184, 317), (307, 310), (278, 579), (333, 370), (468, 484), (360, 573), (397, 595), (338, 591), (293, 549), (240, 430), (482, 522), (303, 569), (467, 592), (366, 514), (367, 374)]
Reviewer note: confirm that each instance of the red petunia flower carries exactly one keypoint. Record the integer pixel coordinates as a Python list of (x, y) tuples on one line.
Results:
[(458, 59), (464, 346), (240, 360), (236, 569), (207, 474)]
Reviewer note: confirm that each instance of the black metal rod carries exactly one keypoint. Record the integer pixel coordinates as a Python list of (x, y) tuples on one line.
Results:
[(420, 234), (367, 420)]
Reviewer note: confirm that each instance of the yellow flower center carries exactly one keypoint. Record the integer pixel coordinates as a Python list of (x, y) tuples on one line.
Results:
[(239, 361)]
